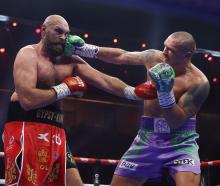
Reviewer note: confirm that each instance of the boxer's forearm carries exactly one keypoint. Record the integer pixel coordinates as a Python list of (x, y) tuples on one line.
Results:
[(175, 116), (119, 56), (112, 55), (36, 98)]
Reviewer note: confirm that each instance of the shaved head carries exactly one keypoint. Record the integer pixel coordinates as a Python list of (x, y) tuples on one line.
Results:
[(55, 19), (185, 40), (54, 31)]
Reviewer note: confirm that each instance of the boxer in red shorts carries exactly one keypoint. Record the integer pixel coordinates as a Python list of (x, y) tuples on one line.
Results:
[(35, 146)]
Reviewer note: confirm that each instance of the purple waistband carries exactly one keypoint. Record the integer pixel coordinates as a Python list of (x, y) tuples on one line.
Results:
[(160, 124)]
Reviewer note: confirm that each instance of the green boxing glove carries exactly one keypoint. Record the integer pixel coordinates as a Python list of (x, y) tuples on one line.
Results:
[(75, 45), (163, 76)]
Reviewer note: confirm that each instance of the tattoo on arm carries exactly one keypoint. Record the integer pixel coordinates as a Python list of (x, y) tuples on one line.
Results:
[(192, 101), (142, 58)]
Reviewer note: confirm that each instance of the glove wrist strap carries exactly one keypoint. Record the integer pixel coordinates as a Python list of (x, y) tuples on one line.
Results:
[(130, 94), (62, 90), (166, 99), (87, 50)]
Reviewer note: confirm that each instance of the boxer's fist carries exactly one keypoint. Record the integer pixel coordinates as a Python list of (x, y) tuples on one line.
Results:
[(76, 86), (70, 86), (143, 91), (72, 43), (146, 90), (75, 45), (163, 76)]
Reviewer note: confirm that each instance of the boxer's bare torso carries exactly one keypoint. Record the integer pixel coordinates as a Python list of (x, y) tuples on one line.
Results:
[(49, 71), (184, 82)]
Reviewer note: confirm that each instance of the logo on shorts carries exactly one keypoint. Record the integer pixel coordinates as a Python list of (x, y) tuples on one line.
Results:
[(49, 115), (184, 161), (43, 137), (31, 175), (56, 139), (11, 140), (10, 144), (128, 165), (161, 126), (43, 155), (10, 172)]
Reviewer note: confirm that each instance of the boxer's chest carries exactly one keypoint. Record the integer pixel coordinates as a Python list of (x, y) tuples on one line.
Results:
[(50, 74), (181, 86)]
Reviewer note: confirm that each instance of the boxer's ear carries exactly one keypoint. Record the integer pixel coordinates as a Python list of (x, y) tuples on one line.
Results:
[(43, 29)]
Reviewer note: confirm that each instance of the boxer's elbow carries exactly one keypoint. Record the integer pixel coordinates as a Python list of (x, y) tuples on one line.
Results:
[(26, 103), (26, 106)]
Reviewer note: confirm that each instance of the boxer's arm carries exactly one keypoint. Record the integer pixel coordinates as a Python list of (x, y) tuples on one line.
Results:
[(188, 105), (113, 85), (25, 79), (76, 46), (99, 80), (120, 56)]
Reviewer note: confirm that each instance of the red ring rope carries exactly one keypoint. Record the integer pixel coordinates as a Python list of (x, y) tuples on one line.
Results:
[(115, 162)]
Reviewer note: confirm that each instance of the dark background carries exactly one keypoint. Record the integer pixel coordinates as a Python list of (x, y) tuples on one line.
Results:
[(133, 22)]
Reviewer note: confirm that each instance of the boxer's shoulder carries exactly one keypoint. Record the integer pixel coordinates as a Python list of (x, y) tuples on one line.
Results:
[(26, 53), (29, 49), (152, 57)]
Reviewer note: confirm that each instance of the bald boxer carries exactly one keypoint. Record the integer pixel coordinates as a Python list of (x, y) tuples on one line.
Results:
[(35, 146), (167, 136)]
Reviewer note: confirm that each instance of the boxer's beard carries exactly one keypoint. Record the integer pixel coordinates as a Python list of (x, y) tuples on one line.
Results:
[(54, 48)]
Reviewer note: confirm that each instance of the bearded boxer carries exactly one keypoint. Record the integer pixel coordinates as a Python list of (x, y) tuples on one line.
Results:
[(35, 146), (167, 137)]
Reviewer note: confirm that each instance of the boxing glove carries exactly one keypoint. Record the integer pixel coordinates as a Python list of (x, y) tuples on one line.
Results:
[(146, 91), (75, 45), (163, 76), (71, 86)]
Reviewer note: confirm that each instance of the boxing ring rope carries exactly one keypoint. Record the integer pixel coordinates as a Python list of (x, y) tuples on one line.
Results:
[(115, 162), (94, 161), (210, 163)]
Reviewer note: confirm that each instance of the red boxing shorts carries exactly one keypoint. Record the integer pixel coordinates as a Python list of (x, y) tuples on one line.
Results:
[(41, 150), (35, 150)]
